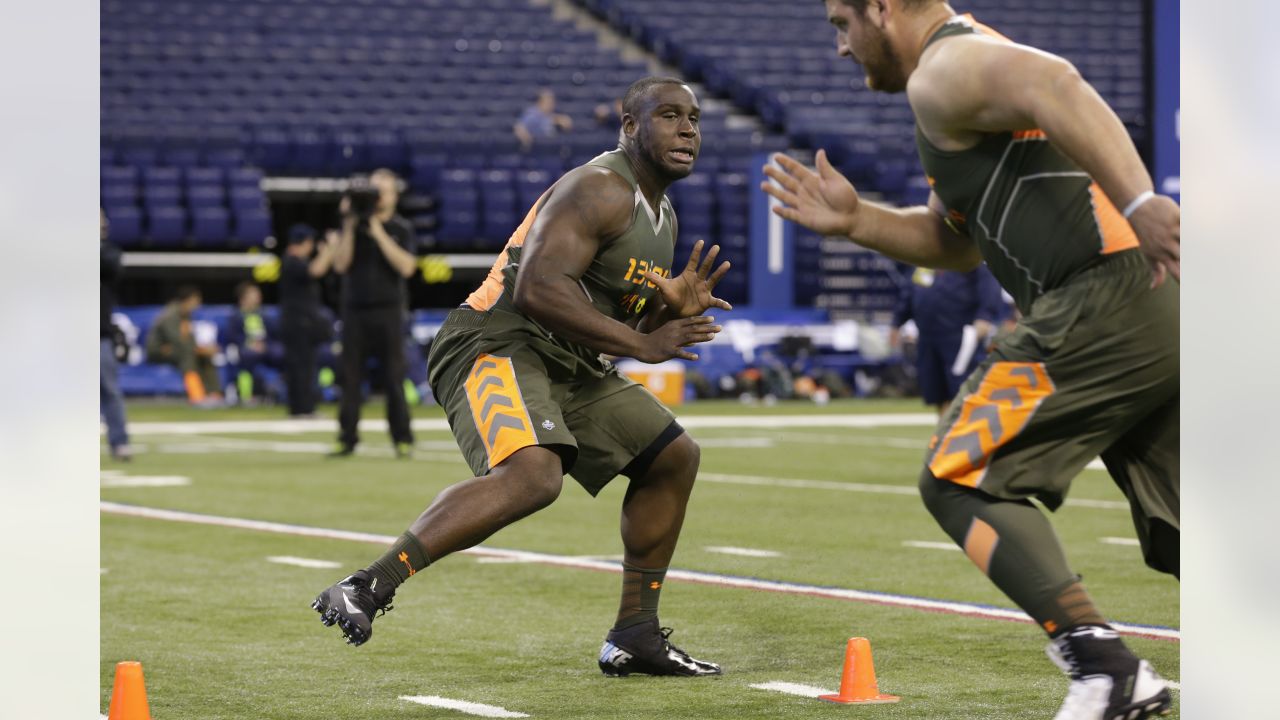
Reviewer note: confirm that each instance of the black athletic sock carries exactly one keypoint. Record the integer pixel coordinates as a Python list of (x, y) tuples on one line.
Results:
[(405, 558), (641, 588), (1013, 544)]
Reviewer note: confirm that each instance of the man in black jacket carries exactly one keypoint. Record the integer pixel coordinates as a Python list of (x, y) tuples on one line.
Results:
[(375, 253), (301, 324)]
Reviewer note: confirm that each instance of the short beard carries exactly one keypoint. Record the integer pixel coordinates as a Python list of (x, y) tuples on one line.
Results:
[(883, 68)]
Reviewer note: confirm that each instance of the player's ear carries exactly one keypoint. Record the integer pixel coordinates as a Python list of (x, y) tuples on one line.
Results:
[(629, 125)]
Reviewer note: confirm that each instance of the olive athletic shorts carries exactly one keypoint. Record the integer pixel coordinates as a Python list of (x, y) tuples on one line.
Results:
[(505, 389), (1091, 370)]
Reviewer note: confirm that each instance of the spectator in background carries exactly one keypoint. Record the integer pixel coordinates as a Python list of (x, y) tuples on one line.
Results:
[(956, 313), (375, 254), (540, 120), (246, 344), (172, 341), (302, 326), (111, 400), (608, 116)]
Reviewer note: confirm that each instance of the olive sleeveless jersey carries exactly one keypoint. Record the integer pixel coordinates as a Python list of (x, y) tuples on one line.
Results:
[(1038, 219), (614, 283)]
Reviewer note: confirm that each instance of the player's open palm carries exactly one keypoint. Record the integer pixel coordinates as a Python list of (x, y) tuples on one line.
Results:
[(823, 201), (1158, 225), (689, 293), (670, 340)]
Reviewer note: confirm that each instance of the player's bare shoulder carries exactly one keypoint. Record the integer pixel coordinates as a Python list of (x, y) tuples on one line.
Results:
[(601, 200), (946, 88)]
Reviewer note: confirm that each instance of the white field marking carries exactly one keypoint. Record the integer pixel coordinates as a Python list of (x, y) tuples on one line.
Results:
[(470, 708), (293, 427), (134, 481), (704, 578), (759, 480), (739, 442), (1133, 542), (930, 545), (808, 691), (213, 444), (111, 473), (1174, 685), (102, 571), (303, 562), (898, 443), (506, 560), (744, 552)]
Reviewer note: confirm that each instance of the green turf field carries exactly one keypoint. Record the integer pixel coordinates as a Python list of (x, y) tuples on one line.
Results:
[(224, 633)]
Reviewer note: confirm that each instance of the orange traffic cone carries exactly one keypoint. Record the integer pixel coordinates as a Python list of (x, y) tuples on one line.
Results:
[(858, 682), (129, 694)]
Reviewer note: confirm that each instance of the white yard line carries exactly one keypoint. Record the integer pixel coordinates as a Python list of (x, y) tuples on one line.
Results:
[(738, 442), (764, 481), (808, 691), (136, 481), (516, 560), (470, 708), (1132, 542), (743, 552), (704, 578), (930, 545), (303, 562), (375, 425), (1174, 685)]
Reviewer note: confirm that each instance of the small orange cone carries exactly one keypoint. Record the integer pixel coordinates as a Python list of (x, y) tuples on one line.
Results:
[(858, 682), (129, 694)]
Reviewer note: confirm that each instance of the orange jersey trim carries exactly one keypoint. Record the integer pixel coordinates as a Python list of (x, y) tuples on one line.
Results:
[(498, 408), (487, 295), (989, 418), (1116, 232)]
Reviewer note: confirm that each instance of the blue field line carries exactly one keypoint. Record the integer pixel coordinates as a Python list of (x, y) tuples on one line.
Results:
[(950, 607)]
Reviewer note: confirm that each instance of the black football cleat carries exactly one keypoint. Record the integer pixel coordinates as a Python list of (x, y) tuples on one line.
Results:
[(351, 605), (1107, 681), (645, 649)]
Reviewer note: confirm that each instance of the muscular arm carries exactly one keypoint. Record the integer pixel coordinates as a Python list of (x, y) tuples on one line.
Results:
[(914, 235), (826, 202), (977, 84), (588, 207)]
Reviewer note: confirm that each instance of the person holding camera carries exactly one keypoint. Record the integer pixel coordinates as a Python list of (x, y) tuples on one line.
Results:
[(375, 254), (301, 325)]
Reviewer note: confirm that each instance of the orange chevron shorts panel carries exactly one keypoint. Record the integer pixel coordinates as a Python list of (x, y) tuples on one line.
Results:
[(498, 408), (989, 418)]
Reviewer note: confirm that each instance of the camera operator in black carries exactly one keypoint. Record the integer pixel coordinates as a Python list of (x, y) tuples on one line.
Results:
[(375, 254)]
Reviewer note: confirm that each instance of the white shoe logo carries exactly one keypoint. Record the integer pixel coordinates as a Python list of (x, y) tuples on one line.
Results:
[(613, 655), (351, 608)]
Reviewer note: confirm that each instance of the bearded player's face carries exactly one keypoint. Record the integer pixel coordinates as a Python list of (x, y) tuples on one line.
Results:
[(666, 130), (858, 37)]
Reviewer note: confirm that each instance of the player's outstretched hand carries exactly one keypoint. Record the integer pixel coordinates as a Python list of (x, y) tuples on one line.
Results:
[(689, 293), (669, 340), (1158, 225), (823, 201)]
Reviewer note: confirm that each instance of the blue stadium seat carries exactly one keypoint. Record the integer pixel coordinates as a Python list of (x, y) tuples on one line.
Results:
[(126, 224), (210, 226), (206, 196), (252, 226), (166, 225)]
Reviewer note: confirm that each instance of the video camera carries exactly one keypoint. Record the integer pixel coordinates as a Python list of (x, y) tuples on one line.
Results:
[(363, 196)]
